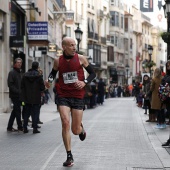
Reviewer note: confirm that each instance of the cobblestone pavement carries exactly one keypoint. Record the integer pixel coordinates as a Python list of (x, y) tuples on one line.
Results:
[(118, 138)]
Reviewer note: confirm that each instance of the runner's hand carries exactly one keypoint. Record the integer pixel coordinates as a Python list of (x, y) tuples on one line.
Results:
[(79, 84), (47, 84)]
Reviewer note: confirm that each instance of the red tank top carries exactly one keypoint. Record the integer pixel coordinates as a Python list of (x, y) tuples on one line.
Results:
[(69, 72)]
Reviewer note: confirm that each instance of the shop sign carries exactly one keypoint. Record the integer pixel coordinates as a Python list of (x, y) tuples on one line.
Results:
[(52, 47), (37, 30), (16, 41)]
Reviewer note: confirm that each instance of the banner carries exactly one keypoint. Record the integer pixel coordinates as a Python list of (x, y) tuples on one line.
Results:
[(146, 5)]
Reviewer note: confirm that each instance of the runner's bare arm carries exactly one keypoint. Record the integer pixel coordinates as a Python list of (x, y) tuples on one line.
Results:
[(55, 66)]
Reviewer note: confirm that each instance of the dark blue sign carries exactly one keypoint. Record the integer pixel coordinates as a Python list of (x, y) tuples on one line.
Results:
[(146, 5), (13, 26), (37, 30)]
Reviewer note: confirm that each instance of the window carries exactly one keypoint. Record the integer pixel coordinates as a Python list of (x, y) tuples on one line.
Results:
[(68, 31), (131, 42), (122, 20), (126, 24), (116, 19), (112, 2), (112, 39), (126, 44), (116, 41), (112, 20)]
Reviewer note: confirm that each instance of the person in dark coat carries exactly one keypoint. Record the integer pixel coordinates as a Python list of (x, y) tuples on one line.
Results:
[(14, 84), (147, 95), (136, 87), (101, 91), (119, 91), (94, 93), (32, 85)]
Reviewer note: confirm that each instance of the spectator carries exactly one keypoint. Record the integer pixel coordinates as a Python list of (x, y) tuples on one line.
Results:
[(147, 96), (155, 101), (101, 91), (32, 85), (14, 84)]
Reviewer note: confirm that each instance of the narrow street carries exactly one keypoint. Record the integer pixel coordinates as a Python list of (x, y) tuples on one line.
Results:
[(118, 138)]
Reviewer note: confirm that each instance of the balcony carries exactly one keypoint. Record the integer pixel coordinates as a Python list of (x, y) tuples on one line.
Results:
[(93, 36)]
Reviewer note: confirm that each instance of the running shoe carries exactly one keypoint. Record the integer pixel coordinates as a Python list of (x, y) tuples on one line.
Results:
[(69, 162), (166, 144), (82, 135)]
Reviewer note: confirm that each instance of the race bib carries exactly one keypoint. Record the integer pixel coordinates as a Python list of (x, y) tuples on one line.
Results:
[(70, 77)]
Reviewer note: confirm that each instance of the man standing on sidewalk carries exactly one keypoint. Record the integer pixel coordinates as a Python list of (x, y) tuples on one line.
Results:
[(32, 85), (71, 92), (14, 84)]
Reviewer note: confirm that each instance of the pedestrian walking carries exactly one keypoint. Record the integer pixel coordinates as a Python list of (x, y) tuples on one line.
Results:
[(14, 84), (71, 92), (32, 85)]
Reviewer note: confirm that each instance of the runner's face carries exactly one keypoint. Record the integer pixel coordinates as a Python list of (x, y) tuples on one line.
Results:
[(70, 48)]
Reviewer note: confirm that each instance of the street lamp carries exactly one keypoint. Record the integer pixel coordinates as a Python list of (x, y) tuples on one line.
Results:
[(150, 50), (127, 69), (166, 8), (78, 33)]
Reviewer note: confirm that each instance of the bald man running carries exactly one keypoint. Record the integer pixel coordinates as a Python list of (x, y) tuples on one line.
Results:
[(71, 92)]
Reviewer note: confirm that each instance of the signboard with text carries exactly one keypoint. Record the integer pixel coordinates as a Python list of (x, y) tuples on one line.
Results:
[(13, 28), (37, 30), (146, 5)]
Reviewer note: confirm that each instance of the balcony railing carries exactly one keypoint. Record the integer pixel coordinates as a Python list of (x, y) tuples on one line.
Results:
[(93, 35)]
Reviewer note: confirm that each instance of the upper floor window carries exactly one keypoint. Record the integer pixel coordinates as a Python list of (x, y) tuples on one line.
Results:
[(112, 39), (126, 24), (114, 20), (122, 20)]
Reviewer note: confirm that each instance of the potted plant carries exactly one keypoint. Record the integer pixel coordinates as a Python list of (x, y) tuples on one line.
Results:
[(165, 36)]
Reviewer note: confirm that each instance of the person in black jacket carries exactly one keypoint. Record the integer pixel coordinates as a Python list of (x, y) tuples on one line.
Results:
[(101, 91), (32, 85), (14, 84)]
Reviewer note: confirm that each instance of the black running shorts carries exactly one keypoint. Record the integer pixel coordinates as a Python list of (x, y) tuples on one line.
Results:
[(73, 103)]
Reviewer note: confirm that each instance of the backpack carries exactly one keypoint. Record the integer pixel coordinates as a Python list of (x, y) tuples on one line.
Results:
[(164, 92)]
